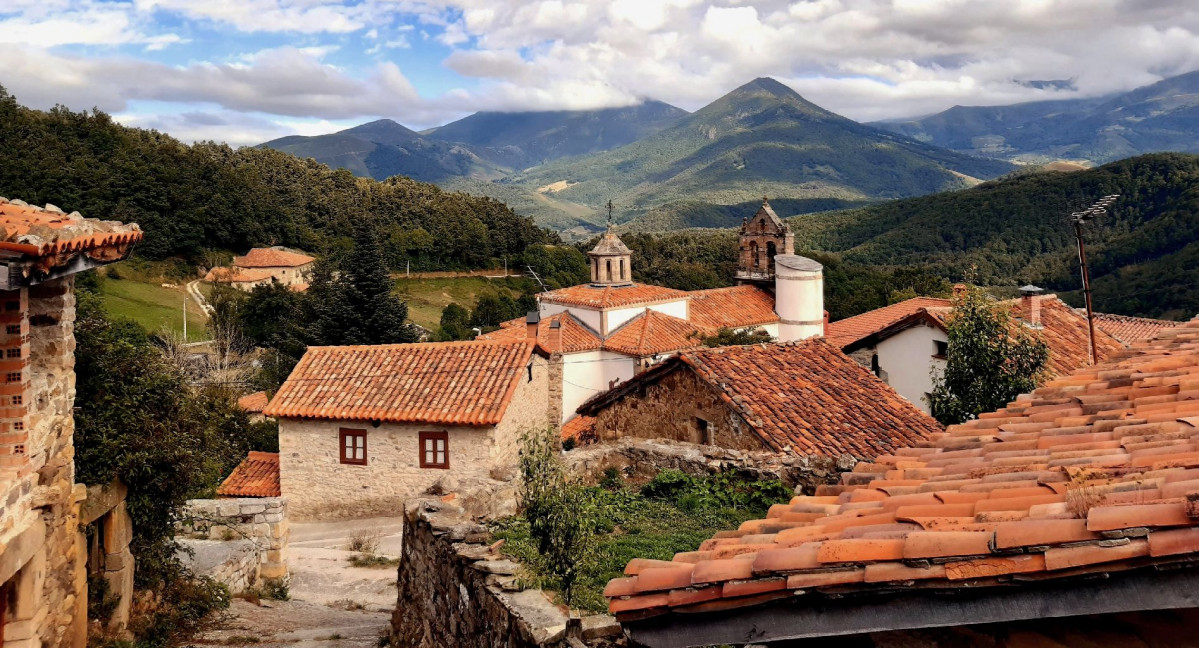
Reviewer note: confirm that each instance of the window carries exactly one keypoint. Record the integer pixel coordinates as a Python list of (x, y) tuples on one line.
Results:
[(353, 446), (13, 353), (942, 349), (434, 450), (703, 433)]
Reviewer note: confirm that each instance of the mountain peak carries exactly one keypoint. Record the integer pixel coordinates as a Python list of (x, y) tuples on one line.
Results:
[(771, 86), (383, 131)]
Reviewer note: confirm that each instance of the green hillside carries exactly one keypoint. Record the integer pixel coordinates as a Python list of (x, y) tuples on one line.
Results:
[(762, 138), (1144, 255)]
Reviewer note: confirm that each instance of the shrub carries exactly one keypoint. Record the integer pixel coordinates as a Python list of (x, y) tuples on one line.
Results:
[(366, 542)]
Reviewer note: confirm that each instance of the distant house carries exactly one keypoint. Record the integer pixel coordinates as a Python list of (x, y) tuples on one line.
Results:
[(256, 476), (1129, 329), (904, 343), (604, 332), (262, 266), (803, 397), (363, 428), (253, 404)]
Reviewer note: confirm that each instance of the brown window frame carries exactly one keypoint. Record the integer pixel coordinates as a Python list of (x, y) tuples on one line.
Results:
[(425, 437), (342, 434)]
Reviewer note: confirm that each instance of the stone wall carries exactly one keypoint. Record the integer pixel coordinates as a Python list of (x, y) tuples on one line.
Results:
[(42, 553), (261, 522), (318, 486), (669, 409), (639, 460), (108, 553), (456, 589)]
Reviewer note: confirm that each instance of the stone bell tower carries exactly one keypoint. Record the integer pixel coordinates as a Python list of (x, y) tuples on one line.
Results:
[(610, 259), (762, 238)]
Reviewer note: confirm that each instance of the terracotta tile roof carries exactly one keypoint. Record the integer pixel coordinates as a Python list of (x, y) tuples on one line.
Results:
[(806, 396), (1096, 472), (53, 237), (453, 383), (579, 428), (651, 333), (573, 335), (253, 403), (271, 258), (845, 332), (256, 476), (611, 296), (1129, 329), (733, 307)]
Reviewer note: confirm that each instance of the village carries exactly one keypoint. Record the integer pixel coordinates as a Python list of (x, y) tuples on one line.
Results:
[(1067, 514)]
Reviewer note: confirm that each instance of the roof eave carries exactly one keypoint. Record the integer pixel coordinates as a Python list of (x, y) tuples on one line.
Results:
[(812, 616)]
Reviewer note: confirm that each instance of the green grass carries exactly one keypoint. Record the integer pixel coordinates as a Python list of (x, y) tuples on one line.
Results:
[(427, 297), (140, 296), (634, 525)]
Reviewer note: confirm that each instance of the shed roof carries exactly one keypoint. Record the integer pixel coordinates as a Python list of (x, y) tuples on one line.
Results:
[(256, 476)]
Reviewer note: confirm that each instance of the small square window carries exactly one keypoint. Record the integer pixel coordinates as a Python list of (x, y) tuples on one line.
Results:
[(703, 432), (942, 349), (434, 450), (353, 446), (13, 329), (19, 449), (13, 353)]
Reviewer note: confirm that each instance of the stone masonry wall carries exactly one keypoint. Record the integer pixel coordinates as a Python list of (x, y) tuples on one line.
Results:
[(318, 486), (668, 409), (457, 590), (42, 554), (262, 521)]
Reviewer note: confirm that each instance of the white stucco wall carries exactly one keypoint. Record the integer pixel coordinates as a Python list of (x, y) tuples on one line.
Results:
[(318, 486), (906, 359), (589, 317), (586, 374), (618, 316)]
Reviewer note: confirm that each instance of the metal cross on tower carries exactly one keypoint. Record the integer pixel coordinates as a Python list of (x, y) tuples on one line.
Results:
[(609, 214)]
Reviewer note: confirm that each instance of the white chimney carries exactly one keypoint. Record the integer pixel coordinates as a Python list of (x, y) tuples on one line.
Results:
[(798, 297)]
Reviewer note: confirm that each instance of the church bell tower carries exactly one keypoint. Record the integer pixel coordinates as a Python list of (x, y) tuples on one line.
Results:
[(762, 238), (610, 259)]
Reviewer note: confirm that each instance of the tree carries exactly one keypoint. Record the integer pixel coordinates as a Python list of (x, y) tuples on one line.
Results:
[(373, 314), (729, 337), (492, 310), (455, 324), (990, 360)]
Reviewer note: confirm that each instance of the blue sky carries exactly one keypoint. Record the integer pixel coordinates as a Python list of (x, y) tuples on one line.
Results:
[(244, 71)]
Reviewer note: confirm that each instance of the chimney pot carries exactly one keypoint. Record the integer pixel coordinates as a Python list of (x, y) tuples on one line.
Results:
[(1030, 304), (532, 319)]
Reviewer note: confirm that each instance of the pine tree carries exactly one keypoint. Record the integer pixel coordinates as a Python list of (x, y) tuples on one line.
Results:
[(371, 313), (989, 360)]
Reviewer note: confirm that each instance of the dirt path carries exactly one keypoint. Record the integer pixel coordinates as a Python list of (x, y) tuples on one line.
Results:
[(333, 603)]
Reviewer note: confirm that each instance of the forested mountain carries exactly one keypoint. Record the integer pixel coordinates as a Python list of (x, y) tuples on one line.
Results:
[(1159, 117), (761, 138), (1144, 254), (518, 140), (189, 199), (382, 149)]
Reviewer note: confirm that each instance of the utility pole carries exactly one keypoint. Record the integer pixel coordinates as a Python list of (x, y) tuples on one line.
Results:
[(1078, 218), (185, 318)]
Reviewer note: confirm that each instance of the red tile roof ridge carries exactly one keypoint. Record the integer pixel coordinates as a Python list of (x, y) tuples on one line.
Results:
[(606, 297), (272, 257), (50, 232), (256, 476), (652, 332)]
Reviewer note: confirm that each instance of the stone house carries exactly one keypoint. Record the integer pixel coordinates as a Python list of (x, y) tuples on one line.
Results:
[(363, 428), (803, 397), (261, 266), (604, 332), (1070, 517), (43, 549), (905, 343)]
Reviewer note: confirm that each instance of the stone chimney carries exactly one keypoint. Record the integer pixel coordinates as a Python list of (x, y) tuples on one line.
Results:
[(1030, 304), (959, 290), (532, 319), (798, 297)]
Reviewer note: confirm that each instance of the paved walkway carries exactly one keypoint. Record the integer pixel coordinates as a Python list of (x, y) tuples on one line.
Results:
[(333, 604)]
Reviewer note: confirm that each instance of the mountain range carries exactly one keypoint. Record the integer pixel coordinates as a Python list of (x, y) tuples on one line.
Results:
[(665, 167), (1163, 116)]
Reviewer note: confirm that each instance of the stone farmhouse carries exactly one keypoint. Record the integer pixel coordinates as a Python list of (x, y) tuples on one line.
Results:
[(1069, 517), (904, 343), (262, 266), (803, 398), (604, 332), (363, 428), (43, 549)]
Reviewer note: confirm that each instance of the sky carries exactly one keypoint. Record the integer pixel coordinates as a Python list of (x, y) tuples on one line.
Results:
[(246, 71)]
